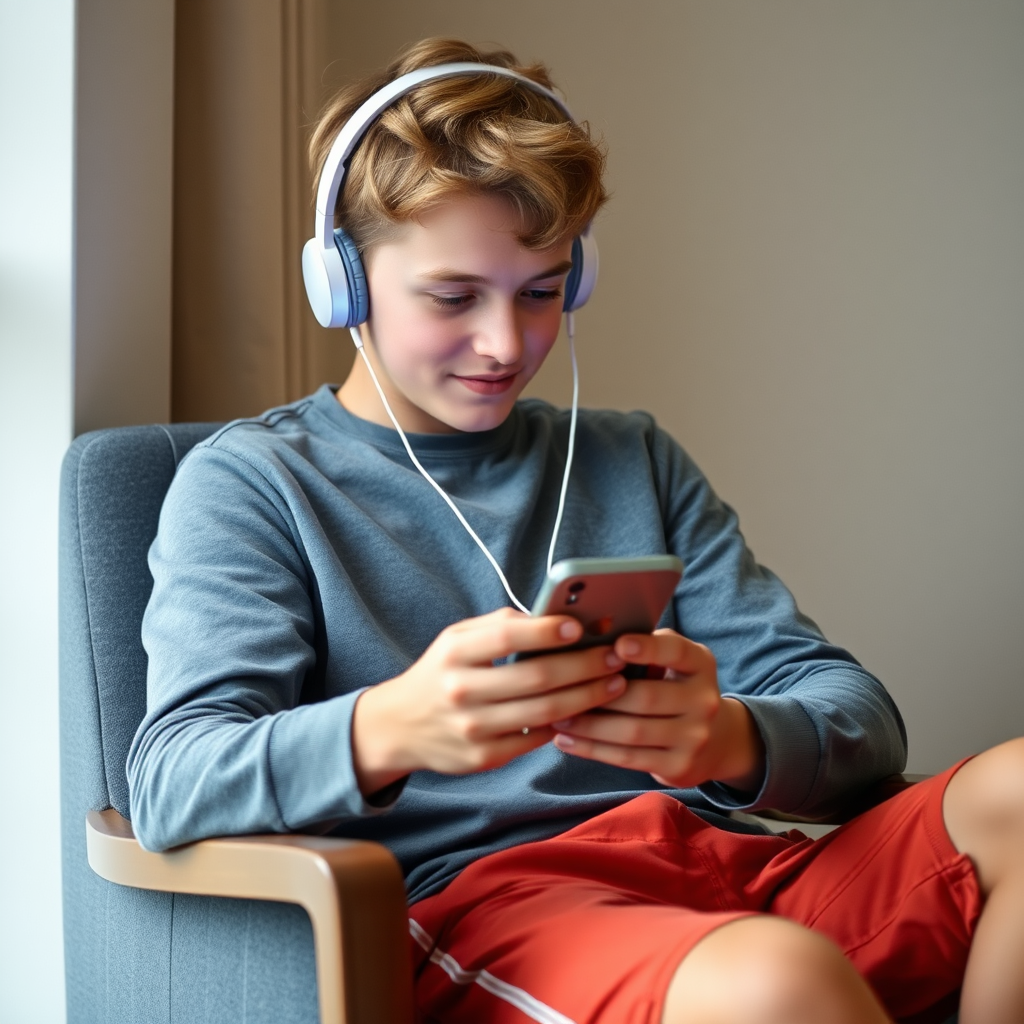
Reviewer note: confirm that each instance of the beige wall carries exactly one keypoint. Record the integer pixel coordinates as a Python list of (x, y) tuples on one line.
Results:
[(124, 101), (247, 86), (811, 273)]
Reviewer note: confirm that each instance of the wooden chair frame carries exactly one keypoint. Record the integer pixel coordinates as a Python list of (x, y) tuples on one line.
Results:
[(352, 891)]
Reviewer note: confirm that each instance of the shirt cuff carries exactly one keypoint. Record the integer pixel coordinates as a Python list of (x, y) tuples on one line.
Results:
[(312, 768), (792, 758)]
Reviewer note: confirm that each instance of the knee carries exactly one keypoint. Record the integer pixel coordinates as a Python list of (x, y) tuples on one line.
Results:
[(766, 970), (984, 810)]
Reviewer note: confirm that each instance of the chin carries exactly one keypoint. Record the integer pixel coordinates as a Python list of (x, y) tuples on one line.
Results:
[(474, 421)]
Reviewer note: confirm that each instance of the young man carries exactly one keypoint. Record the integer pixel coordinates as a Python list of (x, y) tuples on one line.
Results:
[(328, 651)]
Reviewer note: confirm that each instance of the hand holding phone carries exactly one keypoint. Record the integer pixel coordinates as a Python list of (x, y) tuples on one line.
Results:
[(676, 724), (455, 710)]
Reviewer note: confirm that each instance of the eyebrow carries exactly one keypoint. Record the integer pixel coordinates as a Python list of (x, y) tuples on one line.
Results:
[(460, 277)]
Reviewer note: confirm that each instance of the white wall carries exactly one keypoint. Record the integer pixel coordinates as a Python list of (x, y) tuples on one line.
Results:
[(36, 108), (118, 318), (811, 272)]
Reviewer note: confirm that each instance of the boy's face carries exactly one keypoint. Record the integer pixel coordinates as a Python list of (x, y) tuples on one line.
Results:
[(461, 318)]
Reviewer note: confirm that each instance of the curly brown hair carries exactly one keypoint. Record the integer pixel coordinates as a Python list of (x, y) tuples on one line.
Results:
[(466, 136)]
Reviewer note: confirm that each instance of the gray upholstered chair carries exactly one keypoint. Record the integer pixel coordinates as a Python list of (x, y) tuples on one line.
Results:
[(275, 929), (149, 938)]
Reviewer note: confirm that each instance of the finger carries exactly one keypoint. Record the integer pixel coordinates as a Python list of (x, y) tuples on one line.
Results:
[(641, 759), (492, 753), (659, 697), (665, 648), (627, 730), (482, 640), (514, 744), (693, 697), (535, 676), (539, 712)]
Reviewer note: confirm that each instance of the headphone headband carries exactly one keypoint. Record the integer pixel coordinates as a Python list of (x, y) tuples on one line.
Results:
[(331, 266), (336, 165)]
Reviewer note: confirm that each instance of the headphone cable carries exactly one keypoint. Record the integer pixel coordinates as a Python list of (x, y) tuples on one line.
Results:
[(570, 328)]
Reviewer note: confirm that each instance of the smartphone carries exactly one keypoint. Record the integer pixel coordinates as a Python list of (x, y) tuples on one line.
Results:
[(609, 596)]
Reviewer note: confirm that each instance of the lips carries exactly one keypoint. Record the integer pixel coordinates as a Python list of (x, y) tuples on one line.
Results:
[(487, 384)]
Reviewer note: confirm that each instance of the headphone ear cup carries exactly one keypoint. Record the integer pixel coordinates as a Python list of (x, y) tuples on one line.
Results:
[(572, 280), (581, 279), (355, 277)]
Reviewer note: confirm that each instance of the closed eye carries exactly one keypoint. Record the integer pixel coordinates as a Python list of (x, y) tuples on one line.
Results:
[(451, 301), (460, 301)]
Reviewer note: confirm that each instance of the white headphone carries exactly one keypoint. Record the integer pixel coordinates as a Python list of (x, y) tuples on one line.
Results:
[(336, 281), (331, 266)]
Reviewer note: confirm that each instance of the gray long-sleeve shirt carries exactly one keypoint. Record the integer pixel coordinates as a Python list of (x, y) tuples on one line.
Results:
[(301, 558)]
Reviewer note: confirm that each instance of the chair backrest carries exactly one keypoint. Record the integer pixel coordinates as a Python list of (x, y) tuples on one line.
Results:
[(113, 483), (133, 955)]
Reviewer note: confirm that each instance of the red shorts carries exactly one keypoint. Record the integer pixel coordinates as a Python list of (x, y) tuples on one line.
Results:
[(591, 925)]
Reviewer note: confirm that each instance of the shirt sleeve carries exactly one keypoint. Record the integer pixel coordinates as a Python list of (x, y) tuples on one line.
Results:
[(227, 747), (829, 727)]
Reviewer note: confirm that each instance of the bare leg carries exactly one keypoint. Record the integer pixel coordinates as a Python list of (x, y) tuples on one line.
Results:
[(767, 970), (984, 815)]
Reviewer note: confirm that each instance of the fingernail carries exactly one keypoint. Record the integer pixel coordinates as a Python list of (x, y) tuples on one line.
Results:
[(561, 740), (563, 724), (629, 647), (613, 660), (616, 683), (570, 630)]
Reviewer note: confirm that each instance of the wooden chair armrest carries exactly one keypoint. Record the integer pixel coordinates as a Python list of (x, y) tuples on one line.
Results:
[(353, 892)]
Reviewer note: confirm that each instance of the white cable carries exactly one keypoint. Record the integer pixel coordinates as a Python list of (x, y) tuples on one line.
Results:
[(433, 483), (570, 330)]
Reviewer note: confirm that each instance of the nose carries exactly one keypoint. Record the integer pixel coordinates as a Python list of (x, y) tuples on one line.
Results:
[(499, 334)]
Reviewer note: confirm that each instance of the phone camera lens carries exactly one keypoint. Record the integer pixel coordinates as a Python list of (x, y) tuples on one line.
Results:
[(575, 588)]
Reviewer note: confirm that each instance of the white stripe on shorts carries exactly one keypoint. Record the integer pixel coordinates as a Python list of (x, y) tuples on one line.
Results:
[(523, 1001)]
